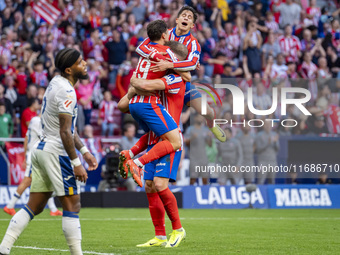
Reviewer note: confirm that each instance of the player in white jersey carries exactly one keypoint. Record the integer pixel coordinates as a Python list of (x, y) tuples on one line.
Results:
[(32, 136), (55, 164)]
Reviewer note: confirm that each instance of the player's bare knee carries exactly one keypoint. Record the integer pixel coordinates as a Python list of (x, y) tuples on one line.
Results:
[(177, 144), (149, 187), (160, 186)]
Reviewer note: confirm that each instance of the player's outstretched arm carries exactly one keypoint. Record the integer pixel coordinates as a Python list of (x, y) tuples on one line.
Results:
[(88, 157), (65, 121)]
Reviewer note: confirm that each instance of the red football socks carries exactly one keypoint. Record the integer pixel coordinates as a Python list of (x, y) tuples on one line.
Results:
[(170, 205), (157, 213), (159, 150), (141, 145)]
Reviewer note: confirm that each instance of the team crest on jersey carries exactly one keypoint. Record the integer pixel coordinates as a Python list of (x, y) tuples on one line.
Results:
[(170, 78), (67, 103)]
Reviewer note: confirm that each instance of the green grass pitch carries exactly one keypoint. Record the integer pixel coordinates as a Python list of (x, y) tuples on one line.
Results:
[(117, 231)]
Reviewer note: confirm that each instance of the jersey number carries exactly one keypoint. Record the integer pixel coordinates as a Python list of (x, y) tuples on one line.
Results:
[(143, 67)]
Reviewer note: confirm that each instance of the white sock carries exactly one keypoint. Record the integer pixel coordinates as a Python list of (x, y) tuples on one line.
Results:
[(161, 237), (72, 232), (17, 225), (180, 229), (51, 205), (13, 200), (131, 154), (138, 163)]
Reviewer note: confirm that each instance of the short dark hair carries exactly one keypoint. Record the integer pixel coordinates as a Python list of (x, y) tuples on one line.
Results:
[(31, 101), (188, 8), (178, 48), (155, 29), (127, 126)]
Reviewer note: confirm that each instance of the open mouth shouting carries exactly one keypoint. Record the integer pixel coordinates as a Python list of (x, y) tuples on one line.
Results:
[(184, 24)]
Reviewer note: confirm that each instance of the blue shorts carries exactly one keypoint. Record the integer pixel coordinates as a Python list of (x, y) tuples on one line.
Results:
[(166, 166), (191, 93), (153, 117)]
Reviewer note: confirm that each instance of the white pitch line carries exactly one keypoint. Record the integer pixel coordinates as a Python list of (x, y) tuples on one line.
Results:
[(51, 249), (225, 218)]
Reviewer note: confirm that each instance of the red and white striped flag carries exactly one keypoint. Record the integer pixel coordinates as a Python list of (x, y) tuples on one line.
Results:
[(46, 11)]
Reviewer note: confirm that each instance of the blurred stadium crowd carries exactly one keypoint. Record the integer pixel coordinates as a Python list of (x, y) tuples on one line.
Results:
[(258, 44)]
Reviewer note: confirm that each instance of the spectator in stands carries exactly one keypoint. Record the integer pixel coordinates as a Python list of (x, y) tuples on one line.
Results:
[(261, 100), (28, 114), (124, 75), (212, 153), (93, 46), (6, 123), (271, 47), (5, 68), (137, 8), (315, 125), (324, 75), (308, 71), (197, 137), (307, 43), (23, 101), (6, 101), (37, 74), (88, 132), (267, 147), (85, 90), (279, 69), (230, 154), (129, 136), (106, 120), (333, 61), (200, 77), (251, 46), (96, 73), (290, 45), (289, 13), (11, 92), (117, 49), (21, 82), (247, 142)]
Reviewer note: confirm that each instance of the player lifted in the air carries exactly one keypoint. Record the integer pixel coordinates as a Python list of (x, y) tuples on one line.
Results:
[(158, 173), (55, 164), (185, 21), (148, 110), (32, 135)]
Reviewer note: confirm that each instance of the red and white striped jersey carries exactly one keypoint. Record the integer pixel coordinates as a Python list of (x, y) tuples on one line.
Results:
[(316, 13), (290, 45), (5, 51), (308, 72), (143, 71), (333, 119), (272, 25), (107, 110), (194, 49), (188, 40), (40, 78)]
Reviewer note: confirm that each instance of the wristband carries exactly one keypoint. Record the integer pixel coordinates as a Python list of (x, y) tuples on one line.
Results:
[(83, 150), (75, 162)]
